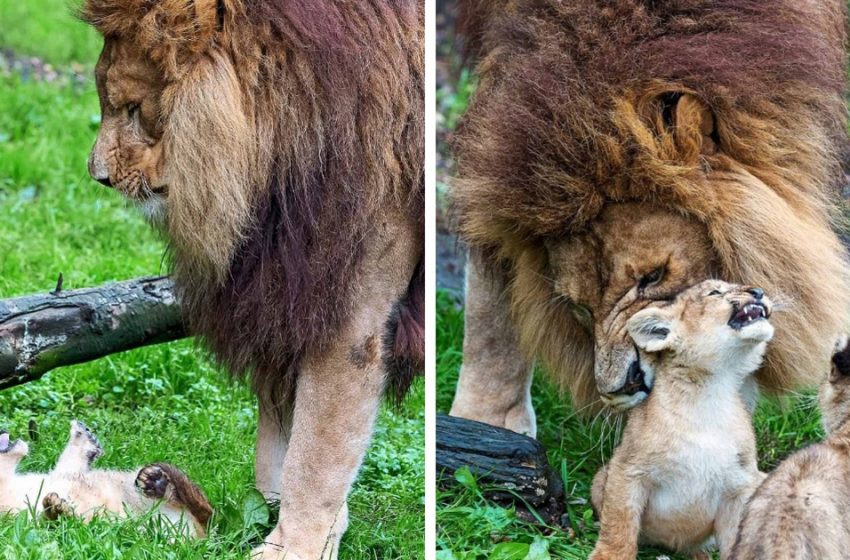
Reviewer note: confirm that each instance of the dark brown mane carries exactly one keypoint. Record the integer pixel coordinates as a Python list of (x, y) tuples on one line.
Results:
[(558, 68)]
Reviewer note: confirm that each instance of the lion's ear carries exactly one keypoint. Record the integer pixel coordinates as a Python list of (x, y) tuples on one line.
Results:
[(687, 122), (204, 17), (211, 13), (695, 120), (652, 329)]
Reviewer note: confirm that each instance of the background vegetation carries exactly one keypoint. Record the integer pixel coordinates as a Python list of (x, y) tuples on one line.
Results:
[(167, 402)]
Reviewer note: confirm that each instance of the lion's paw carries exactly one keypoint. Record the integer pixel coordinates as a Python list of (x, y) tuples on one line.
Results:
[(269, 551), (154, 483)]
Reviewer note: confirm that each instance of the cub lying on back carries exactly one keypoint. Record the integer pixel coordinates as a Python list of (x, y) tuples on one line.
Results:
[(802, 510), (687, 462), (74, 488)]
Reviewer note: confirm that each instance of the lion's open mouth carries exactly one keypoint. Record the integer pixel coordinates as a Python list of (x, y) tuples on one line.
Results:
[(5, 442), (748, 314)]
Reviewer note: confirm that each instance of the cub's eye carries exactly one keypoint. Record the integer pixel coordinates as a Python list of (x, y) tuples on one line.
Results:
[(132, 110), (715, 293), (651, 279)]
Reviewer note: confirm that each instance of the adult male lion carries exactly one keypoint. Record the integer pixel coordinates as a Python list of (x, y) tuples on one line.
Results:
[(616, 152), (279, 144)]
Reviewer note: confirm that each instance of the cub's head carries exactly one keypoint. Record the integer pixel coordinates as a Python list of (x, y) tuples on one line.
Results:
[(176, 138), (834, 394), (714, 327)]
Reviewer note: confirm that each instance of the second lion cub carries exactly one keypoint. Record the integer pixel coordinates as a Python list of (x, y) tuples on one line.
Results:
[(687, 462)]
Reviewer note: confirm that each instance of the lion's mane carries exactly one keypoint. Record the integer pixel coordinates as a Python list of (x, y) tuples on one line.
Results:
[(570, 115), (290, 126)]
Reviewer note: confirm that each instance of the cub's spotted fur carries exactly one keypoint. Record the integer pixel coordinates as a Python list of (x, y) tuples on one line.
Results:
[(687, 463), (74, 488)]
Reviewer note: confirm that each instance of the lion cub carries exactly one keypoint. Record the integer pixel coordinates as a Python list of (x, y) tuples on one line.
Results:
[(802, 510), (74, 488), (687, 462)]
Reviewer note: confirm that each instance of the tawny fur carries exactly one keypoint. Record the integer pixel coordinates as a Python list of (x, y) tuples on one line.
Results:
[(802, 510), (74, 488), (687, 462), (723, 122)]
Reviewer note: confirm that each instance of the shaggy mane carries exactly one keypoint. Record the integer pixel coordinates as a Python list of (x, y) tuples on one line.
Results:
[(292, 125), (573, 112)]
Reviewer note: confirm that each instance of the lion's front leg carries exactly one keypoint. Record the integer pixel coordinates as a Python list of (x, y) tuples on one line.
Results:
[(495, 379), (335, 407), (273, 432)]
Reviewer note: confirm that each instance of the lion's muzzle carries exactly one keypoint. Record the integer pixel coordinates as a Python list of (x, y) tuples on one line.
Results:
[(621, 379)]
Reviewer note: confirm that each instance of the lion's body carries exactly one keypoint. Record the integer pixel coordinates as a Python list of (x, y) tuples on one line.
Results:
[(720, 123), (329, 140), (279, 144)]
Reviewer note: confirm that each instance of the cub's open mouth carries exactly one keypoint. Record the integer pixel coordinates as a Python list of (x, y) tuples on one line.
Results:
[(748, 314), (5, 442)]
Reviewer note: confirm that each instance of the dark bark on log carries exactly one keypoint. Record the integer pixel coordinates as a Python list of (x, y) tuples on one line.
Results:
[(42, 332), (511, 469)]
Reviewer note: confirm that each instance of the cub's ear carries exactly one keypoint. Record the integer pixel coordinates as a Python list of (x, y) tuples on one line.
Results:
[(840, 360), (651, 329)]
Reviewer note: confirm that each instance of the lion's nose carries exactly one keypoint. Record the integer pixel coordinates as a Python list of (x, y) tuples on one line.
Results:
[(635, 380), (757, 293)]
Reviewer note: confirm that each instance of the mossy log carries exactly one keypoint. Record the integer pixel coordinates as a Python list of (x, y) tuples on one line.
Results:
[(511, 468), (44, 331)]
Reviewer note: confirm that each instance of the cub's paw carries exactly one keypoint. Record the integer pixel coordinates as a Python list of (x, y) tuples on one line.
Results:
[(154, 483), (54, 507), (82, 436)]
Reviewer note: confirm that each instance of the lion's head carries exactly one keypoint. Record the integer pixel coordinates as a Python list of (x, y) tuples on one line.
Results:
[(624, 154), (177, 137)]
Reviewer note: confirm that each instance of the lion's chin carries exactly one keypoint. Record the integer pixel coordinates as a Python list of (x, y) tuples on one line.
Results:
[(153, 208)]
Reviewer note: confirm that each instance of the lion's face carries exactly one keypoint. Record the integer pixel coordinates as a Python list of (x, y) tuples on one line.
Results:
[(632, 256), (128, 154)]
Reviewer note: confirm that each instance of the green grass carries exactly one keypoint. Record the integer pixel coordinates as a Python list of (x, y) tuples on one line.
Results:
[(468, 527), (48, 30), (167, 402)]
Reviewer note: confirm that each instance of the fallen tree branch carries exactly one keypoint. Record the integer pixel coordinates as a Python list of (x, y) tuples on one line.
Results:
[(45, 331), (511, 468)]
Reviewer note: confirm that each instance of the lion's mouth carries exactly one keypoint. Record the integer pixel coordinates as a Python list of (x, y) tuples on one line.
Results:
[(748, 314), (159, 191)]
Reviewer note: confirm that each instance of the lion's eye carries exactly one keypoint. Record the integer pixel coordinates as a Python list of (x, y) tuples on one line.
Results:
[(715, 293), (652, 278), (132, 110), (583, 314)]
